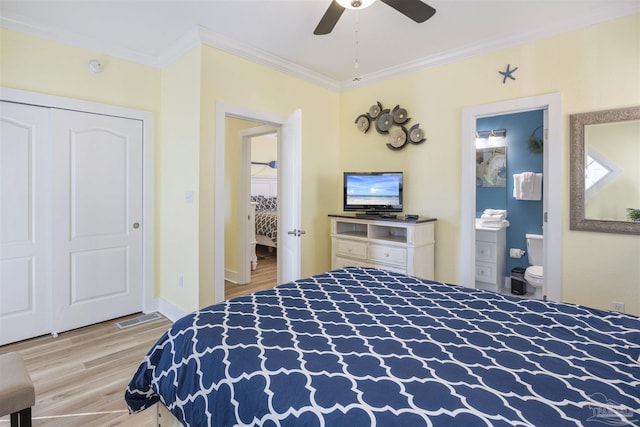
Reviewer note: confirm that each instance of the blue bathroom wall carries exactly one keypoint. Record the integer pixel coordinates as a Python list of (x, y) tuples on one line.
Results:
[(524, 216)]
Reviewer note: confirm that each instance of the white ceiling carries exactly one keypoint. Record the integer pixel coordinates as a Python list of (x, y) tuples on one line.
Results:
[(280, 32)]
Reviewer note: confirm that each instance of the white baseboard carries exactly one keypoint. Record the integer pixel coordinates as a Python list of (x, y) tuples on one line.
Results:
[(169, 310), (231, 276)]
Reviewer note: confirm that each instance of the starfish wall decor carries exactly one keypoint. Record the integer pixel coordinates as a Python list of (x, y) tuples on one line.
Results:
[(508, 73)]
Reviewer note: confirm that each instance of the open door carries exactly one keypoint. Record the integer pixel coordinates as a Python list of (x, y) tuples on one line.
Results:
[(289, 192)]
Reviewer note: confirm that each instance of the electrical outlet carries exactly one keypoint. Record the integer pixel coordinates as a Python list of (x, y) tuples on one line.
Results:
[(180, 282), (617, 306)]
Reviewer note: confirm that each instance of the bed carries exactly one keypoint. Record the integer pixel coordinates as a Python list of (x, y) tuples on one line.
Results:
[(367, 347), (266, 220), (264, 193)]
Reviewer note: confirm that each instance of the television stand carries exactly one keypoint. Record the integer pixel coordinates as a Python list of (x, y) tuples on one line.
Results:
[(403, 246)]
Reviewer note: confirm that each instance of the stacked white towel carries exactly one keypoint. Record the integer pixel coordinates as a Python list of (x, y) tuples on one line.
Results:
[(493, 218), (527, 186), (502, 212)]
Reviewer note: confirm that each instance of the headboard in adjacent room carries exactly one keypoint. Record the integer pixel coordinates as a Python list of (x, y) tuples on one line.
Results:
[(264, 186)]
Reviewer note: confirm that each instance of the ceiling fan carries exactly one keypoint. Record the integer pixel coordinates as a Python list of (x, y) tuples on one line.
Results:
[(414, 9)]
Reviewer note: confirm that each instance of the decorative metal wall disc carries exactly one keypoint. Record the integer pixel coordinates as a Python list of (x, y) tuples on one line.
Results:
[(375, 110), (400, 115), (397, 138), (384, 122), (363, 123), (416, 135)]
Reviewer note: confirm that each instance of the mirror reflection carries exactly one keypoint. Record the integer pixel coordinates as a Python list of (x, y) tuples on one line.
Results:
[(612, 170)]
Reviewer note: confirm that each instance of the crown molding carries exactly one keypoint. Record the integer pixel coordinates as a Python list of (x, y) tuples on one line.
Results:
[(199, 35), (181, 46), (82, 42), (602, 14), (212, 39), (193, 38)]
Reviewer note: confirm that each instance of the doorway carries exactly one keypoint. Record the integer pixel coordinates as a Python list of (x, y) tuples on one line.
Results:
[(500, 161), (289, 149), (251, 216), (552, 194), (260, 169)]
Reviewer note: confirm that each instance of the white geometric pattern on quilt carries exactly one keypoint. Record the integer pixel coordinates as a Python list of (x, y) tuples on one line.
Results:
[(365, 347), (270, 203), (267, 224)]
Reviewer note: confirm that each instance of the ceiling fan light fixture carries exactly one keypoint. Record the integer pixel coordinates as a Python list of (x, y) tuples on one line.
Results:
[(417, 10), (355, 4)]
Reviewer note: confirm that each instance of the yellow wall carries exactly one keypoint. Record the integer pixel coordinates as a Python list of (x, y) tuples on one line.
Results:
[(177, 171), (38, 65), (264, 149), (235, 81), (594, 68)]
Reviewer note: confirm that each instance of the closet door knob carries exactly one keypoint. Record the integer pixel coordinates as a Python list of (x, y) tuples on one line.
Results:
[(136, 225)]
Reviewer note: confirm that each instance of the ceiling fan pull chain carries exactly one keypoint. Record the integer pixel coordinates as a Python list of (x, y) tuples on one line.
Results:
[(356, 65)]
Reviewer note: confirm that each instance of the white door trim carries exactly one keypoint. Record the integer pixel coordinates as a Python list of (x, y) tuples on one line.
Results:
[(553, 160), (223, 111), (44, 100)]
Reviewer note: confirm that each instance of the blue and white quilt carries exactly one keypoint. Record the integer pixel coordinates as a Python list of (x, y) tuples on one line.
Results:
[(366, 347)]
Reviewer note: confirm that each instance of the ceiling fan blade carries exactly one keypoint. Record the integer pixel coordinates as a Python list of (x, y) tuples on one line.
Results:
[(414, 9), (329, 19)]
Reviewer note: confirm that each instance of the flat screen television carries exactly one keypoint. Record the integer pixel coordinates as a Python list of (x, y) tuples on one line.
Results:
[(373, 193)]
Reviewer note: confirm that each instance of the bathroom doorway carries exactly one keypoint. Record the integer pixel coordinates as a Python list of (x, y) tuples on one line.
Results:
[(509, 146), (552, 195)]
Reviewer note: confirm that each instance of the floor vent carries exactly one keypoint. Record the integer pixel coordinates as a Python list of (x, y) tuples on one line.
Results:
[(138, 320)]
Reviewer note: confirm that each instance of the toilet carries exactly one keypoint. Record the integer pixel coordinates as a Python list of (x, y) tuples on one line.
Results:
[(533, 274)]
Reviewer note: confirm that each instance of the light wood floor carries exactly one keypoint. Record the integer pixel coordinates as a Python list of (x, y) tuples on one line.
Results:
[(263, 277), (80, 376)]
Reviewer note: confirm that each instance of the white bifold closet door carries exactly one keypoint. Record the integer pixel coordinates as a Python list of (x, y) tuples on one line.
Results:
[(86, 229), (25, 222), (97, 222)]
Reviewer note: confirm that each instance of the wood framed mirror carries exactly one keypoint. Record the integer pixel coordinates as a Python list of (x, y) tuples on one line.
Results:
[(605, 170)]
